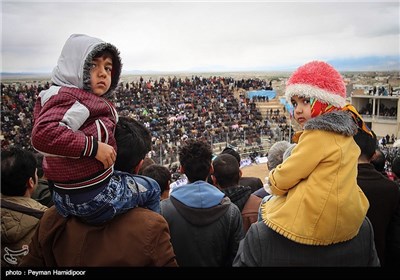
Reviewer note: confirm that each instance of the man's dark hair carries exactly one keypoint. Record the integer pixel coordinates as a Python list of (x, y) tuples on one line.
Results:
[(39, 160), (232, 152), (159, 173), (379, 160), (195, 157), (226, 170), (17, 166), (133, 143), (366, 142)]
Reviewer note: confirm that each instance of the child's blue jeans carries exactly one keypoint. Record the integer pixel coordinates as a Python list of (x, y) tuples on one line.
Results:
[(122, 193)]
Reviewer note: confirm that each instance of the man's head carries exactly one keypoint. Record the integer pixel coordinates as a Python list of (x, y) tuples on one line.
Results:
[(275, 154), (18, 172), (133, 143), (226, 171), (379, 160), (195, 158), (232, 152), (162, 175), (367, 144)]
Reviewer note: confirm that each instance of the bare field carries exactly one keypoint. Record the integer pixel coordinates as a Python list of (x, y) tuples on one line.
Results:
[(256, 170)]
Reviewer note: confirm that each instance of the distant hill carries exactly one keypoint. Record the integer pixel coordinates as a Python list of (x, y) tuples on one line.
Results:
[(24, 76), (131, 75)]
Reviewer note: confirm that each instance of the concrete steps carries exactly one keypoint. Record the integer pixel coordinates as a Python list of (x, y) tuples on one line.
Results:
[(273, 104)]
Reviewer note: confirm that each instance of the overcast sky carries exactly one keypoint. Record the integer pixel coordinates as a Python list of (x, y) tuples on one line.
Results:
[(206, 36)]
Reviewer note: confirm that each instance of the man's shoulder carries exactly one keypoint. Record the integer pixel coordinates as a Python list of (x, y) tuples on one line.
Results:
[(252, 204), (136, 216), (250, 179), (144, 180), (22, 201), (140, 212), (254, 182), (166, 204), (140, 219)]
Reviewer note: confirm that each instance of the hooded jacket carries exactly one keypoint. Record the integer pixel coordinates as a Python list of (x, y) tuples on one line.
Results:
[(318, 200), (69, 119), (205, 226)]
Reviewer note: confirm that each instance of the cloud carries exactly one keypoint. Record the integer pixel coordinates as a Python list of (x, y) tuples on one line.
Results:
[(179, 36)]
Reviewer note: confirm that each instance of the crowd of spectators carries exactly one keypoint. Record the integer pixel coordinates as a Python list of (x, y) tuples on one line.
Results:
[(384, 111), (173, 108)]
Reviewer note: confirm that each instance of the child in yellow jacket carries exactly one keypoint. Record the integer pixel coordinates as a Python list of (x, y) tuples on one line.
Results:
[(317, 200)]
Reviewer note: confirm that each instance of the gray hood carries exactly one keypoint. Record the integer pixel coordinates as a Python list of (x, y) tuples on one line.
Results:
[(73, 66)]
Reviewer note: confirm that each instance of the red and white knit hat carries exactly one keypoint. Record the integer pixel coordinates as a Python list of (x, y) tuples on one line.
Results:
[(318, 80)]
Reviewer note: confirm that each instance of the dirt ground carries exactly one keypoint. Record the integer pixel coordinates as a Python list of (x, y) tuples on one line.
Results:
[(256, 170)]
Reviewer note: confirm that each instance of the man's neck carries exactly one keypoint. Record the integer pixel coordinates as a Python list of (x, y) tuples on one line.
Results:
[(363, 160)]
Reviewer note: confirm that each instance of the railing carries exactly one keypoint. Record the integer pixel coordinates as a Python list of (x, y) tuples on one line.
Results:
[(376, 117)]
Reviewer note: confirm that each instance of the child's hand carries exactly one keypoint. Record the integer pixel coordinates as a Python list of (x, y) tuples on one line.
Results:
[(106, 154)]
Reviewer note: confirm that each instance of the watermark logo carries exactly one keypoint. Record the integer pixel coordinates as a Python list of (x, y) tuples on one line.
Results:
[(10, 255)]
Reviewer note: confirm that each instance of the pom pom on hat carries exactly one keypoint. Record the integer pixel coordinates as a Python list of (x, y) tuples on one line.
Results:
[(317, 80)]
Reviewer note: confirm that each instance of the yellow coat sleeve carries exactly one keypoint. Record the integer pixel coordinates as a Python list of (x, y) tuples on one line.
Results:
[(305, 157)]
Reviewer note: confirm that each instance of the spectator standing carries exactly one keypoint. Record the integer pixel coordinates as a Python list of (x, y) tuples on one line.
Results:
[(396, 168), (253, 182), (383, 194), (328, 171), (318, 214), (205, 226), (379, 161), (139, 237), (74, 128), (226, 177), (20, 214), (162, 175), (393, 250), (42, 193), (275, 157)]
